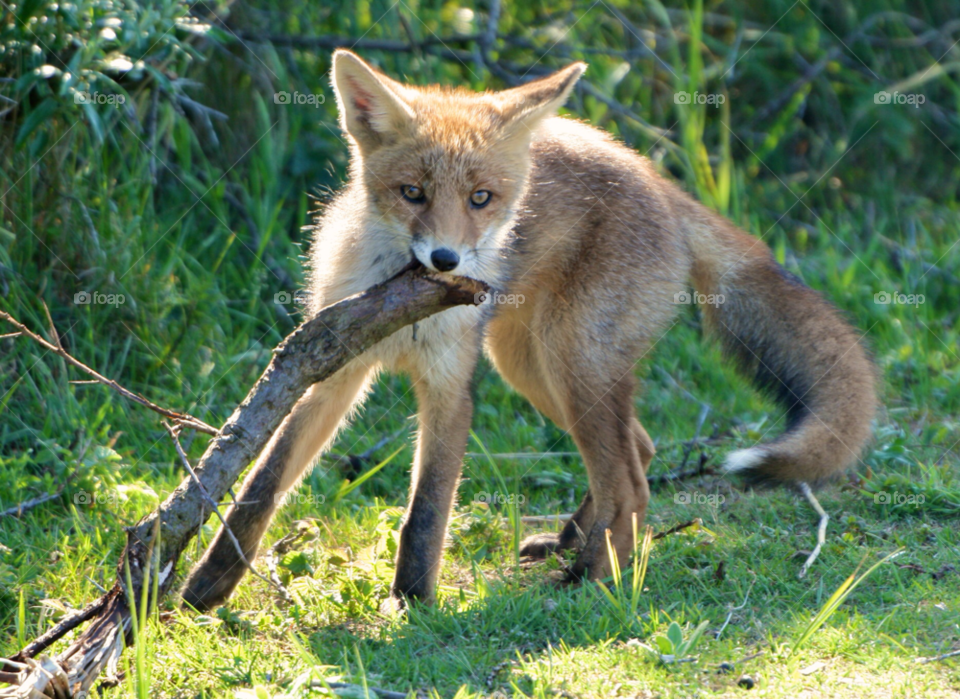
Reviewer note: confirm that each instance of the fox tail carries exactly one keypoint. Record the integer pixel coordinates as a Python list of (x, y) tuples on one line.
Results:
[(794, 344)]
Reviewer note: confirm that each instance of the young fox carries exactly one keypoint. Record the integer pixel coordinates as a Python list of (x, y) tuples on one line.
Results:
[(600, 248)]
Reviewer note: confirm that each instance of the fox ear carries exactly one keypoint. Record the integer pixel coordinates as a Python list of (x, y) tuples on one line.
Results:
[(524, 107), (372, 108)]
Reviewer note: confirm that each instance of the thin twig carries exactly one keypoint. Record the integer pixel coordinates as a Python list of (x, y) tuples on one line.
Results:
[(811, 73), (174, 432), (27, 505), (679, 475), (704, 411), (734, 609), (538, 455), (545, 519), (59, 631), (821, 530), (180, 418), (901, 250), (752, 656), (673, 530), (356, 688), (356, 460), (433, 44), (655, 132), (53, 328), (97, 585), (636, 32), (937, 658), (282, 546), (485, 42)]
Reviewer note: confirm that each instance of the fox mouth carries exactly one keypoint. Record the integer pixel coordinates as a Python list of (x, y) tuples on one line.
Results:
[(414, 264)]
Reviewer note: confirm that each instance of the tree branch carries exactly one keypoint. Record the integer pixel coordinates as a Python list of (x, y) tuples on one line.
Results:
[(174, 433), (181, 418), (313, 352)]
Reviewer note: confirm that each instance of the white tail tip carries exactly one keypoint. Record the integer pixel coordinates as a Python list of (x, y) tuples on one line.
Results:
[(743, 459)]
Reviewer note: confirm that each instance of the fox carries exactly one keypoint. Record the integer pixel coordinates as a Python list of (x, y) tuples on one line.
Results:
[(602, 250)]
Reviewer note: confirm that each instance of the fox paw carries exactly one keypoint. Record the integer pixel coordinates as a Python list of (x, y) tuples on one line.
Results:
[(393, 606), (209, 586)]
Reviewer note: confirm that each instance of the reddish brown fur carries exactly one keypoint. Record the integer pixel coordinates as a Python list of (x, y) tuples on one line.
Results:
[(598, 245)]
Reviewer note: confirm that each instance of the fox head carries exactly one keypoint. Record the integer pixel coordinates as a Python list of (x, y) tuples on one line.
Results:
[(443, 168)]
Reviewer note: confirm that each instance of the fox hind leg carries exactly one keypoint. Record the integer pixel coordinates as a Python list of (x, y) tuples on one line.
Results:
[(514, 350), (590, 395), (593, 387), (645, 448), (617, 459), (573, 535)]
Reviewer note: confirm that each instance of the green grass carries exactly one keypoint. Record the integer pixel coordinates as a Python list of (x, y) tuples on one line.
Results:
[(199, 236)]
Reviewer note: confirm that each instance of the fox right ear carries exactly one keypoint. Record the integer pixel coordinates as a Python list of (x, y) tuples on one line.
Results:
[(372, 106), (526, 106)]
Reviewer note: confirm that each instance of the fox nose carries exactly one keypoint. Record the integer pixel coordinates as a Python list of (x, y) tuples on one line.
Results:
[(444, 259)]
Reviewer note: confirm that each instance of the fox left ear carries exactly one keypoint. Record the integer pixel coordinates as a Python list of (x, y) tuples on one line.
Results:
[(372, 106), (525, 106)]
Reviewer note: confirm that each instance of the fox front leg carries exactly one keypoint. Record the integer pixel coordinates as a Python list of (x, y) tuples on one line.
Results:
[(445, 411)]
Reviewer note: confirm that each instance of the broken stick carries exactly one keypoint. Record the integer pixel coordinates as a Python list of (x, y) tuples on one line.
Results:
[(312, 353)]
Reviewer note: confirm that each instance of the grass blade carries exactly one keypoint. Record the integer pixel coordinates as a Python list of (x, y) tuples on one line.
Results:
[(838, 597)]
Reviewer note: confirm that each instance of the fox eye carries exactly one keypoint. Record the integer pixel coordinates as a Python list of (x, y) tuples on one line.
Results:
[(480, 198), (412, 192)]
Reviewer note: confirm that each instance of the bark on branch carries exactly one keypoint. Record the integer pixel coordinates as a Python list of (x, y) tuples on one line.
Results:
[(312, 353)]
